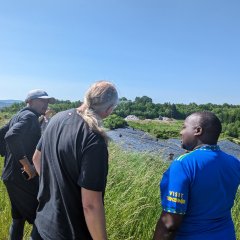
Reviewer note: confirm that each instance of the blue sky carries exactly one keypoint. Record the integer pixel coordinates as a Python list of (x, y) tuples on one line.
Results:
[(177, 51)]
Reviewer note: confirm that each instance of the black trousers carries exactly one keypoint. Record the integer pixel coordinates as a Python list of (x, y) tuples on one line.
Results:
[(35, 234), (23, 198)]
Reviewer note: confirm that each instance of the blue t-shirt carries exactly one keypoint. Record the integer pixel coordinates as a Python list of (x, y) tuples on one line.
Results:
[(202, 186)]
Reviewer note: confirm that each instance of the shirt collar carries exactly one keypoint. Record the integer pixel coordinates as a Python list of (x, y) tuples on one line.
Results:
[(30, 109), (210, 147)]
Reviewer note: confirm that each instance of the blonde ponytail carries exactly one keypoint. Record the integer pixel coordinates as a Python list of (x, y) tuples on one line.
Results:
[(99, 98)]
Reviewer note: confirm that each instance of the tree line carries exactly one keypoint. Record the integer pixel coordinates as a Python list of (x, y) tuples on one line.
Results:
[(144, 108)]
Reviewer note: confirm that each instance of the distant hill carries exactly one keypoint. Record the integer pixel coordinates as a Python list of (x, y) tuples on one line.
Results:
[(7, 103)]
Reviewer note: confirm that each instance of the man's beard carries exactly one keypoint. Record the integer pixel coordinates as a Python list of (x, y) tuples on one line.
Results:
[(184, 146)]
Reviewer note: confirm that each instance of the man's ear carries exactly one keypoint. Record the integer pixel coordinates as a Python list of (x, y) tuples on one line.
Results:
[(198, 131), (109, 110)]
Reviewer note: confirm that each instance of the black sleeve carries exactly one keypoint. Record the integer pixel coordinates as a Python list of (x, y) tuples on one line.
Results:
[(15, 136), (39, 145), (4, 129), (94, 168), (3, 132)]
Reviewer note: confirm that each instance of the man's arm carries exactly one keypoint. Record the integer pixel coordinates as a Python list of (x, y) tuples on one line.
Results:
[(167, 226), (3, 132), (94, 213), (37, 160)]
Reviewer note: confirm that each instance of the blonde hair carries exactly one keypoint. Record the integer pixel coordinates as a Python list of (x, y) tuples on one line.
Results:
[(101, 96)]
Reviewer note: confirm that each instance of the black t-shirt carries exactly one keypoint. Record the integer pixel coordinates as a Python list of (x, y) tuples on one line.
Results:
[(72, 157)]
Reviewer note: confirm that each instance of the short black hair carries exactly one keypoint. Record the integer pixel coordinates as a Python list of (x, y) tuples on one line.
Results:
[(211, 125)]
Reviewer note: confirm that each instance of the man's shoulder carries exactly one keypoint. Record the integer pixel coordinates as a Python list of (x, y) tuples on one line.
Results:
[(186, 156), (26, 113), (187, 160), (231, 160), (23, 115), (65, 114), (227, 155)]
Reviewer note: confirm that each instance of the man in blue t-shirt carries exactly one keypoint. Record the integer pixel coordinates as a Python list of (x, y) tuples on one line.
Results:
[(199, 188)]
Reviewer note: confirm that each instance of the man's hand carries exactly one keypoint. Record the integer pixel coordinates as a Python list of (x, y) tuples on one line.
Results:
[(28, 168), (167, 226)]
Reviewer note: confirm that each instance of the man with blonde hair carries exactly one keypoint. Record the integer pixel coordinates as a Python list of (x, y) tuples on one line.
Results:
[(72, 161)]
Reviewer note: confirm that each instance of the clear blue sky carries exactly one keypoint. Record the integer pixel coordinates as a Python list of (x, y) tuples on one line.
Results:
[(176, 51)]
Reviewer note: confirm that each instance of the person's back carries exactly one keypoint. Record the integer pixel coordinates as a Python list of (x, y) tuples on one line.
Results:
[(72, 161), (214, 177), (64, 142)]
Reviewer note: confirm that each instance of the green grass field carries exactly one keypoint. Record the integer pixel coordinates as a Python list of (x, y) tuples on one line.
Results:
[(168, 129), (131, 200), (159, 129)]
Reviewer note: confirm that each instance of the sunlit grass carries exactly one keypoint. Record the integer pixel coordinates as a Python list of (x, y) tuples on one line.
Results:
[(132, 196), (159, 129)]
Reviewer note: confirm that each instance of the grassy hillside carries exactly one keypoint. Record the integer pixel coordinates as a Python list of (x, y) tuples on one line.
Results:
[(159, 129), (131, 200), (168, 129)]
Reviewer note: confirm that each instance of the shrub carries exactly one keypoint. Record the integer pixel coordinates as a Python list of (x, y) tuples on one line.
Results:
[(114, 121)]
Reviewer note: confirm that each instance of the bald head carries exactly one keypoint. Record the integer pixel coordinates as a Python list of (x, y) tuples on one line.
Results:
[(200, 128), (210, 125)]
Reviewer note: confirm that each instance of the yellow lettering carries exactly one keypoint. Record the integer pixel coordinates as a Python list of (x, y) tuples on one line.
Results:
[(176, 200)]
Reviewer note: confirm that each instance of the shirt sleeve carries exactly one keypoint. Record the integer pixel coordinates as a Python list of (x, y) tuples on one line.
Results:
[(15, 136), (94, 168), (39, 145), (3, 132), (174, 189)]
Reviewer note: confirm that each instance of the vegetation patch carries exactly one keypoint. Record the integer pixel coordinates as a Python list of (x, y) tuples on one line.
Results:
[(158, 129), (132, 197), (113, 121)]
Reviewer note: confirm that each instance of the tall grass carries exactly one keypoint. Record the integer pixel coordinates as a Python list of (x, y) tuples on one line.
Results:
[(131, 199), (5, 215), (132, 195)]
